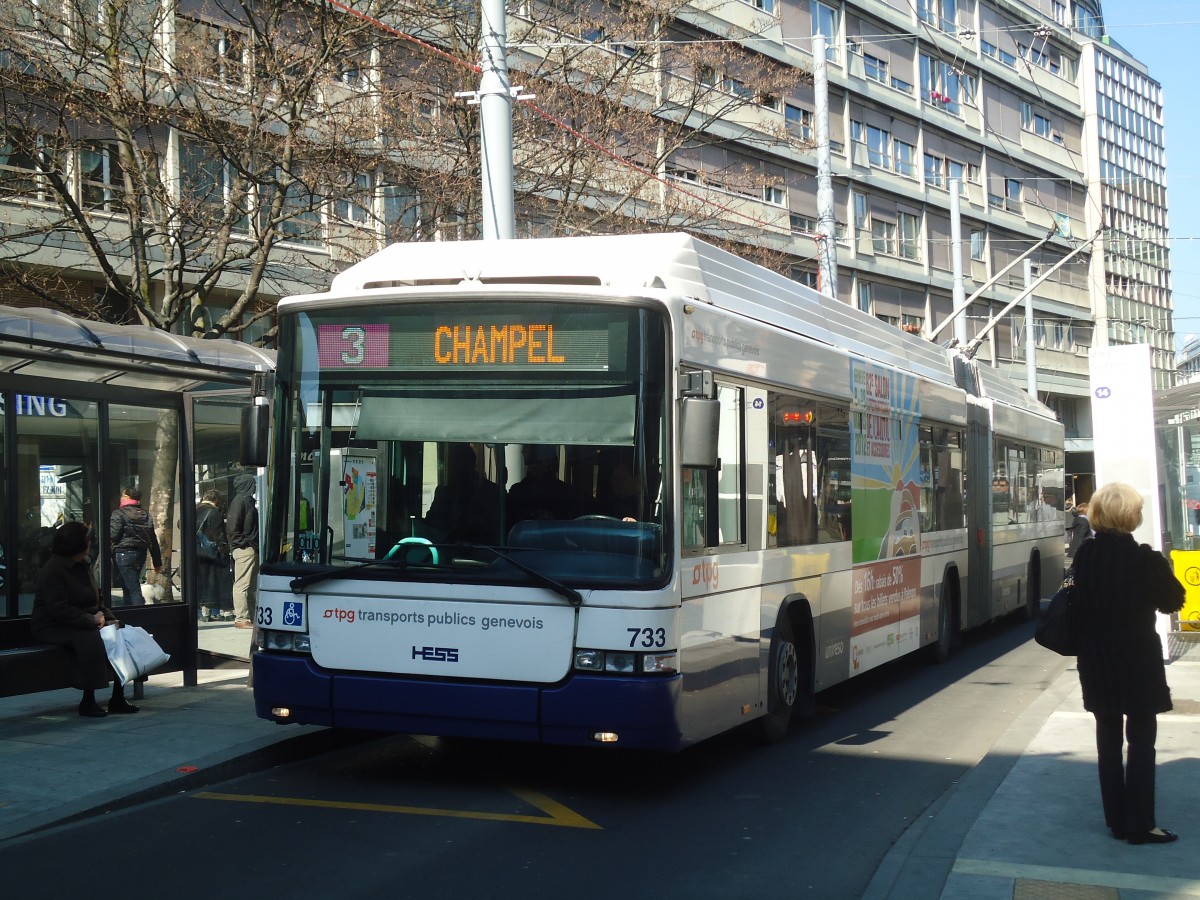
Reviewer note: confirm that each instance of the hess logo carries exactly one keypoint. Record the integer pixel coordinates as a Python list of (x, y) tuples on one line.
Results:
[(436, 654)]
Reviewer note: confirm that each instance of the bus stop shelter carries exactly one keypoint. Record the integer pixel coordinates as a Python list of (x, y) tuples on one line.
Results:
[(89, 408)]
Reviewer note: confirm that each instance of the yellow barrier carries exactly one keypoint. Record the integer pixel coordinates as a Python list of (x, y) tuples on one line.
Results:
[(1187, 570)]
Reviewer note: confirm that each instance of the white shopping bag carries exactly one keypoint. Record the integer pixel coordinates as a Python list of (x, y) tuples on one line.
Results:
[(132, 651)]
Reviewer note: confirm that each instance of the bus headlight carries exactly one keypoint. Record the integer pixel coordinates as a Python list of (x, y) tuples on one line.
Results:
[(589, 660), (626, 662), (660, 663), (285, 641)]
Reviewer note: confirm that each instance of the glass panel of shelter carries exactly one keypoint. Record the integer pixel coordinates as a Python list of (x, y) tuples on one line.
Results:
[(216, 431), (56, 481)]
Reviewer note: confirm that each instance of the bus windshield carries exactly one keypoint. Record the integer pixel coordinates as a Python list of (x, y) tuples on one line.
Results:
[(472, 441)]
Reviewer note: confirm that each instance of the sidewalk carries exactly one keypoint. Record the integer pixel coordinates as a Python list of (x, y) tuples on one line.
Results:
[(1026, 823), (55, 765)]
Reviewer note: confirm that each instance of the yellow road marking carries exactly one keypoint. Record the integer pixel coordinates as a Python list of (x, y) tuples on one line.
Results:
[(556, 813)]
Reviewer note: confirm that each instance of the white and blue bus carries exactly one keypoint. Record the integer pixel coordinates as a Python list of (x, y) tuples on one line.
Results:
[(624, 490)]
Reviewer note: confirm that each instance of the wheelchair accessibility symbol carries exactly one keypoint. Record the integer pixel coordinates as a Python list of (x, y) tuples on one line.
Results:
[(293, 614)]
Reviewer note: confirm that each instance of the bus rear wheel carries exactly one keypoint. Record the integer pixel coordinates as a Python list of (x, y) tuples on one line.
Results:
[(783, 684)]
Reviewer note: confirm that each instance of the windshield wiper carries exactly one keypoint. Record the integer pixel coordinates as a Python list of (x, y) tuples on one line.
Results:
[(300, 582), (573, 596)]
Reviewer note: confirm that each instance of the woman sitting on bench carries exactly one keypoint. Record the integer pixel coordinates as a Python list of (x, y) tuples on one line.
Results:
[(67, 612)]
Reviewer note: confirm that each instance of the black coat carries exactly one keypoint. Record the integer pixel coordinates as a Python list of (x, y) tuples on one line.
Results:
[(63, 613), (241, 521), (1119, 584)]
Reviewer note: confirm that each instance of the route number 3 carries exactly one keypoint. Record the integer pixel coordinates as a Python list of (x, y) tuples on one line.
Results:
[(647, 637)]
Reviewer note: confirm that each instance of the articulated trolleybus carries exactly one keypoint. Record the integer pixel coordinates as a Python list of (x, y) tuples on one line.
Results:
[(624, 490)]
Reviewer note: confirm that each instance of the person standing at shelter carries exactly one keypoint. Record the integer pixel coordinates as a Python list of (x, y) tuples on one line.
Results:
[(67, 612), (1118, 586), (241, 531), (212, 555), (133, 537)]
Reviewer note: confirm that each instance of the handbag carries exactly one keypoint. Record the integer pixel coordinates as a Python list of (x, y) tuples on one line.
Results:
[(1058, 628), (132, 651), (206, 547)]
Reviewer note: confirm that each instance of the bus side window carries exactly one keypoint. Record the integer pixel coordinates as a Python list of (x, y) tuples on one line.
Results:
[(714, 500), (791, 476)]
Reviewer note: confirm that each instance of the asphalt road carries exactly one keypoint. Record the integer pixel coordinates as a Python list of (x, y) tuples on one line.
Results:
[(404, 816)]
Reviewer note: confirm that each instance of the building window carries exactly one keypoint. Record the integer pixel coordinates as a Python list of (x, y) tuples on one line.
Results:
[(864, 296), (100, 178), (1012, 195), (934, 176), (910, 235), (354, 206), (22, 160), (803, 224), (977, 244), (861, 213), (401, 211), (955, 169), (212, 51), (883, 237), (1033, 121), (941, 84), (799, 122), (300, 219), (207, 187), (905, 155), (879, 146), (1060, 13), (806, 277), (875, 68), (997, 54), (825, 21), (941, 14), (773, 194)]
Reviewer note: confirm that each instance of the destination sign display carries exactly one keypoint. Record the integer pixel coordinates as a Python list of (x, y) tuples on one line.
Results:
[(524, 338)]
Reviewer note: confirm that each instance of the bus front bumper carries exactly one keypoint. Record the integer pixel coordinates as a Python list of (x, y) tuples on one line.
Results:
[(634, 713)]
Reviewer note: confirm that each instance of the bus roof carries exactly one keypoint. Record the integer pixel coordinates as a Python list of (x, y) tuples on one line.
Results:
[(675, 263)]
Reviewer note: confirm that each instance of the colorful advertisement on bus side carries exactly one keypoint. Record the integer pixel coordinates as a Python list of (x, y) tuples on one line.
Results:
[(885, 498)]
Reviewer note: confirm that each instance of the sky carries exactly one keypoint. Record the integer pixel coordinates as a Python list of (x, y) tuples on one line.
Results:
[(1165, 36)]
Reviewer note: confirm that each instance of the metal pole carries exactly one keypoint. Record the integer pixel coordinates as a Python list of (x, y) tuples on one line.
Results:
[(958, 292), (826, 217), (1030, 347), (495, 125)]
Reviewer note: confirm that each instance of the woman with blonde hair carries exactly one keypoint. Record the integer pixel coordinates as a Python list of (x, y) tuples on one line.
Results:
[(1118, 586)]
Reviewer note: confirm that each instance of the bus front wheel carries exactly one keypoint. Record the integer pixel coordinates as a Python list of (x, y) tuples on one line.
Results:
[(783, 685)]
